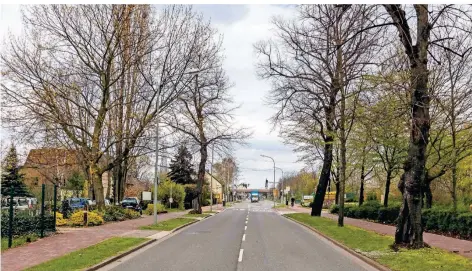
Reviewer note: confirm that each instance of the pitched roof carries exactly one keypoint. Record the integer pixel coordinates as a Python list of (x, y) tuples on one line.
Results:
[(51, 156)]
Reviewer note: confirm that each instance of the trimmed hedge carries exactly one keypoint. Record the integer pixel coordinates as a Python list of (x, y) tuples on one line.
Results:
[(435, 219), (23, 223)]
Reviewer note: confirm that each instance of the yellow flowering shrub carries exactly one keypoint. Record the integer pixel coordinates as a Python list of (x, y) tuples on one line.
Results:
[(93, 219), (60, 221)]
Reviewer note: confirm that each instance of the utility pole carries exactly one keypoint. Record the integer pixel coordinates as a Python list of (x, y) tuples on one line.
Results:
[(211, 177), (156, 177), (282, 187), (273, 193)]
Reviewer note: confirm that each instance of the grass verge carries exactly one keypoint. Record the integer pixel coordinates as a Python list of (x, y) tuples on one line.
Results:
[(90, 256), (168, 225), (280, 206), (210, 212), (197, 215), (377, 247), (175, 210), (19, 241)]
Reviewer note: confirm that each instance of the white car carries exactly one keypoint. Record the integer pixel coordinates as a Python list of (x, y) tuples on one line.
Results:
[(18, 203)]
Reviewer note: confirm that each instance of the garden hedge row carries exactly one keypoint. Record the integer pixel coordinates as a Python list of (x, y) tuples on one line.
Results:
[(439, 220), (24, 223)]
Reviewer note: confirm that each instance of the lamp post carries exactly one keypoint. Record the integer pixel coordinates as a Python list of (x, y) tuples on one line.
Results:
[(274, 172), (211, 177), (282, 187)]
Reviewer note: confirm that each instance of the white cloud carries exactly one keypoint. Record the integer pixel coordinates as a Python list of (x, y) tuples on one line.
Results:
[(239, 38)]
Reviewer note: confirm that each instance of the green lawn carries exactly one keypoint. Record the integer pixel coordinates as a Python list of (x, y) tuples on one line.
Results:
[(174, 210), (90, 256), (197, 215), (210, 212), (280, 206), (168, 225), (18, 241), (376, 247)]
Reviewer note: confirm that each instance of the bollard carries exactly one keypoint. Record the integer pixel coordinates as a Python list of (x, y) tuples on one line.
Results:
[(10, 222), (55, 205), (85, 218), (43, 188)]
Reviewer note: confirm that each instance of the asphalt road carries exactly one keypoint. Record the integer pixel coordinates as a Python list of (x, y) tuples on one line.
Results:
[(246, 237)]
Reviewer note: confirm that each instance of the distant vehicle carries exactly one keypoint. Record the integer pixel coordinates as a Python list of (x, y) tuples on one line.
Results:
[(132, 203), (18, 203), (254, 196), (78, 203)]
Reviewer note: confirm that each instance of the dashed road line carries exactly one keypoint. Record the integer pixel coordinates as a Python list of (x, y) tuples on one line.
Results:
[(245, 227), (244, 237), (240, 258)]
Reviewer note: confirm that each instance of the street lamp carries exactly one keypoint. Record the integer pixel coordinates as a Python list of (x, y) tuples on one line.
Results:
[(274, 172), (282, 187), (156, 172)]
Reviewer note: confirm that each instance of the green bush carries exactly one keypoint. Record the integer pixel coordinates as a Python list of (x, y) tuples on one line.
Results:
[(437, 219), (334, 209), (150, 209), (24, 223), (388, 214), (117, 213), (131, 214), (178, 193), (445, 220)]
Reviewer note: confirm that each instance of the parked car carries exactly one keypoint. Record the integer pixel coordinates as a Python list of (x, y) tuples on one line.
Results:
[(132, 203), (76, 203), (18, 203)]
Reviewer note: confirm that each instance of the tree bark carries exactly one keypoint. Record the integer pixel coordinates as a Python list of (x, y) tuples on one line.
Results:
[(361, 192), (409, 228), (387, 187), (327, 157)]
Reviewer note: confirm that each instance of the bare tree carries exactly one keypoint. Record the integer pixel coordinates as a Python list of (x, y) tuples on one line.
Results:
[(66, 75), (203, 113), (312, 66)]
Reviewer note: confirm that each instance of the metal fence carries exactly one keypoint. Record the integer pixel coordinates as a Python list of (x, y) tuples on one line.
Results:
[(27, 215)]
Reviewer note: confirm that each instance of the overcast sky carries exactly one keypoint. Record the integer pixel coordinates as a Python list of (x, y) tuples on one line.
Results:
[(241, 26)]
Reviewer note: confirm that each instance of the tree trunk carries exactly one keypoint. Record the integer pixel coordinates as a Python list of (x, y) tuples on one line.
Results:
[(327, 158), (97, 190), (337, 192), (361, 192), (201, 177), (324, 178), (409, 228), (387, 187)]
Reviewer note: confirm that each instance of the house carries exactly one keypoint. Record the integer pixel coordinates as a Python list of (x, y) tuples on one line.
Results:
[(53, 166), (216, 187)]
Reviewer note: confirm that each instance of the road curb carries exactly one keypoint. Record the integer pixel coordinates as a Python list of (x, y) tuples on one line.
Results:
[(117, 257), (339, 244)]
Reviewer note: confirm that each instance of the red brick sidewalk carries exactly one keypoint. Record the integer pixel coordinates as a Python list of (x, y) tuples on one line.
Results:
[(60, 244), (459, 246)]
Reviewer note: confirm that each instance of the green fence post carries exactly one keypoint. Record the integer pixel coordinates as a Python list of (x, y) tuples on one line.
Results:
[(10, 222), (43, 188), (55, 205)]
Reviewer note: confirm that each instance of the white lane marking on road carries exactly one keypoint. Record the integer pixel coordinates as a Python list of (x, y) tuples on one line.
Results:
[(240, 259), (246, 221), (244, 237), (245, 227)]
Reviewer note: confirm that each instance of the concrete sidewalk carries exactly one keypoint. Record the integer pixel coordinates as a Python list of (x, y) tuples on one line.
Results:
[(462, 247)]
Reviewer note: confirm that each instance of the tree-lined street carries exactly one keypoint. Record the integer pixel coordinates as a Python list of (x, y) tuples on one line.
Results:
[(226, 241)]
